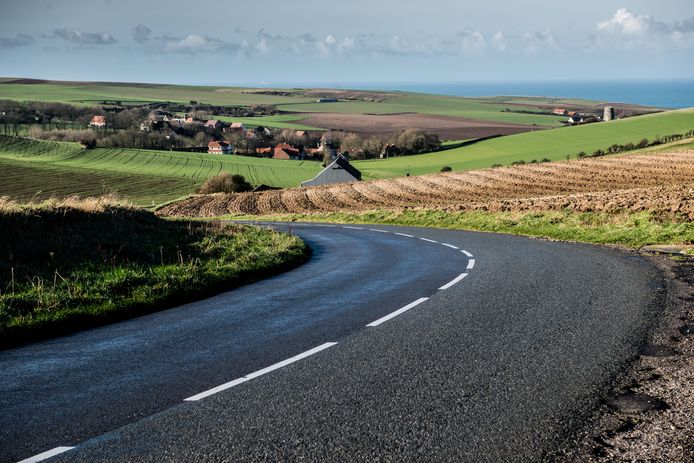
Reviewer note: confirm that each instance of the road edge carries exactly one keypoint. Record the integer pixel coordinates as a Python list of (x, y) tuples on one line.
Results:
[(651, 406)]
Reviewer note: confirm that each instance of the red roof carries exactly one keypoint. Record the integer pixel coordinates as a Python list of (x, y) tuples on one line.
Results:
[(285, 151), (217, 144)]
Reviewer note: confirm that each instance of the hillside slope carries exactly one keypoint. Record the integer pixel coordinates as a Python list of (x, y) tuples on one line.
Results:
[(658, 182), (552, 144)]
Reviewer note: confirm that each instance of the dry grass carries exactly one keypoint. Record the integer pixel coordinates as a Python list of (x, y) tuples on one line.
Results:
[(89, 204)]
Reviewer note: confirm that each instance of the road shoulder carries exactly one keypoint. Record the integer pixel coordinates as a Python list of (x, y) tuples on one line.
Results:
[(650, 416)]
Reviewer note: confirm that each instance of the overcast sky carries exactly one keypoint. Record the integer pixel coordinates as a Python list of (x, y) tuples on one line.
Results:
[(326, 41)]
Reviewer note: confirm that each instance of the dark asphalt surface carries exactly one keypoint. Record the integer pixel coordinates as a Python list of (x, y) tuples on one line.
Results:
[(500, 367)]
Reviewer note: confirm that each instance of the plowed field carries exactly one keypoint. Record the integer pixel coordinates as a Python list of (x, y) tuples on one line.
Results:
[(662, 183)]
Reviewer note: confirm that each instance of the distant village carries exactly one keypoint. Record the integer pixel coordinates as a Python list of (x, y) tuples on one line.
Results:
[(229, 137)]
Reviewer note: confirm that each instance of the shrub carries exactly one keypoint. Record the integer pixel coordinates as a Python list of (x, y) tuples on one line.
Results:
[(494, 166), (546, 160), (224, 182), (581, 154), (88, 143), (446, 169), (598, 153), (518, 163)]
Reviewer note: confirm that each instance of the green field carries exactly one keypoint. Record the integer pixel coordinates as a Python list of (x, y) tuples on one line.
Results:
[(552, 144), (144, 176), (33, 168), (279, 121), (90, 93), (471, 108)]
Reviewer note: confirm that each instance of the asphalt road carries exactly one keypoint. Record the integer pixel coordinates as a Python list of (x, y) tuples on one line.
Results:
[(501, 365)]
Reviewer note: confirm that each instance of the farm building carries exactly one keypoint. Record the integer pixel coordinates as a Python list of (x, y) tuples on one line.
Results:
[(560, 112), (338, 171), (237, 126), (285, 151), (213, 123), (98, 121), (159, 115), (219, 147)]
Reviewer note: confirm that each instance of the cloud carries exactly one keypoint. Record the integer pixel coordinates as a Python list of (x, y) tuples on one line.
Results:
[(630, 30), (626, 22), (307, 38), (540, 40), (141, 33), (194, 43), (85, 38), (498, 42), (20, 40), (473, 41)]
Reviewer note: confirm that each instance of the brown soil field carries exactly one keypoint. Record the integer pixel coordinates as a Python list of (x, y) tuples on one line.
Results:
[(446, 127), (661, 183)]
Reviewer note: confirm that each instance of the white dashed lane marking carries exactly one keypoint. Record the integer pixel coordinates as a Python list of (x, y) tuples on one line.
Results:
[(398, 312), (47, 454), (262, 372), (453, 281)]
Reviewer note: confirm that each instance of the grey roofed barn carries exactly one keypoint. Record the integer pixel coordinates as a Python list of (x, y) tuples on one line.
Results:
[(338, 171)]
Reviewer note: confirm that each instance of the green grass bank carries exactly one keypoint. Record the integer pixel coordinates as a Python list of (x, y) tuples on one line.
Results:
[(71, 265), (632, 230)]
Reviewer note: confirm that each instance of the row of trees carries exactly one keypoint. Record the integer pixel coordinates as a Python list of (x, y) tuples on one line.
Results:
[(404, 142)]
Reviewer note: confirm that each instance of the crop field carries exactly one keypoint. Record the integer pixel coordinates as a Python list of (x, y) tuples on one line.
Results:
[(31, 182), (551, 144), (470, 108), (141, 175), (42, 169), (90, 93), (296, 100), (661, 183), (280, 121)]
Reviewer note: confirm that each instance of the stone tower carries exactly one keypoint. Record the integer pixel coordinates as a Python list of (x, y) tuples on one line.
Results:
[(609, 114)]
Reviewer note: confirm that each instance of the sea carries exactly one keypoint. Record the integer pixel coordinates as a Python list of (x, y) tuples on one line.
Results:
[(671, 94)]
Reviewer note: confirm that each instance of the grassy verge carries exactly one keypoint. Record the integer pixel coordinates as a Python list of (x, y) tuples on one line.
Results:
[(627, 229), (70, 265)]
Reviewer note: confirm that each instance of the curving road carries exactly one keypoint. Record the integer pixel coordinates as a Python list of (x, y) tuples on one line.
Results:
[(391, 342)]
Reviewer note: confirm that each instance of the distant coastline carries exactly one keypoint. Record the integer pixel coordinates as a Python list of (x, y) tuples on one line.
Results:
[(671, 94)]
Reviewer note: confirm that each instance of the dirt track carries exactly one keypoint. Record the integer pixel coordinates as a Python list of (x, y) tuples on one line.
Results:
[(662, 183), (447, 128)]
